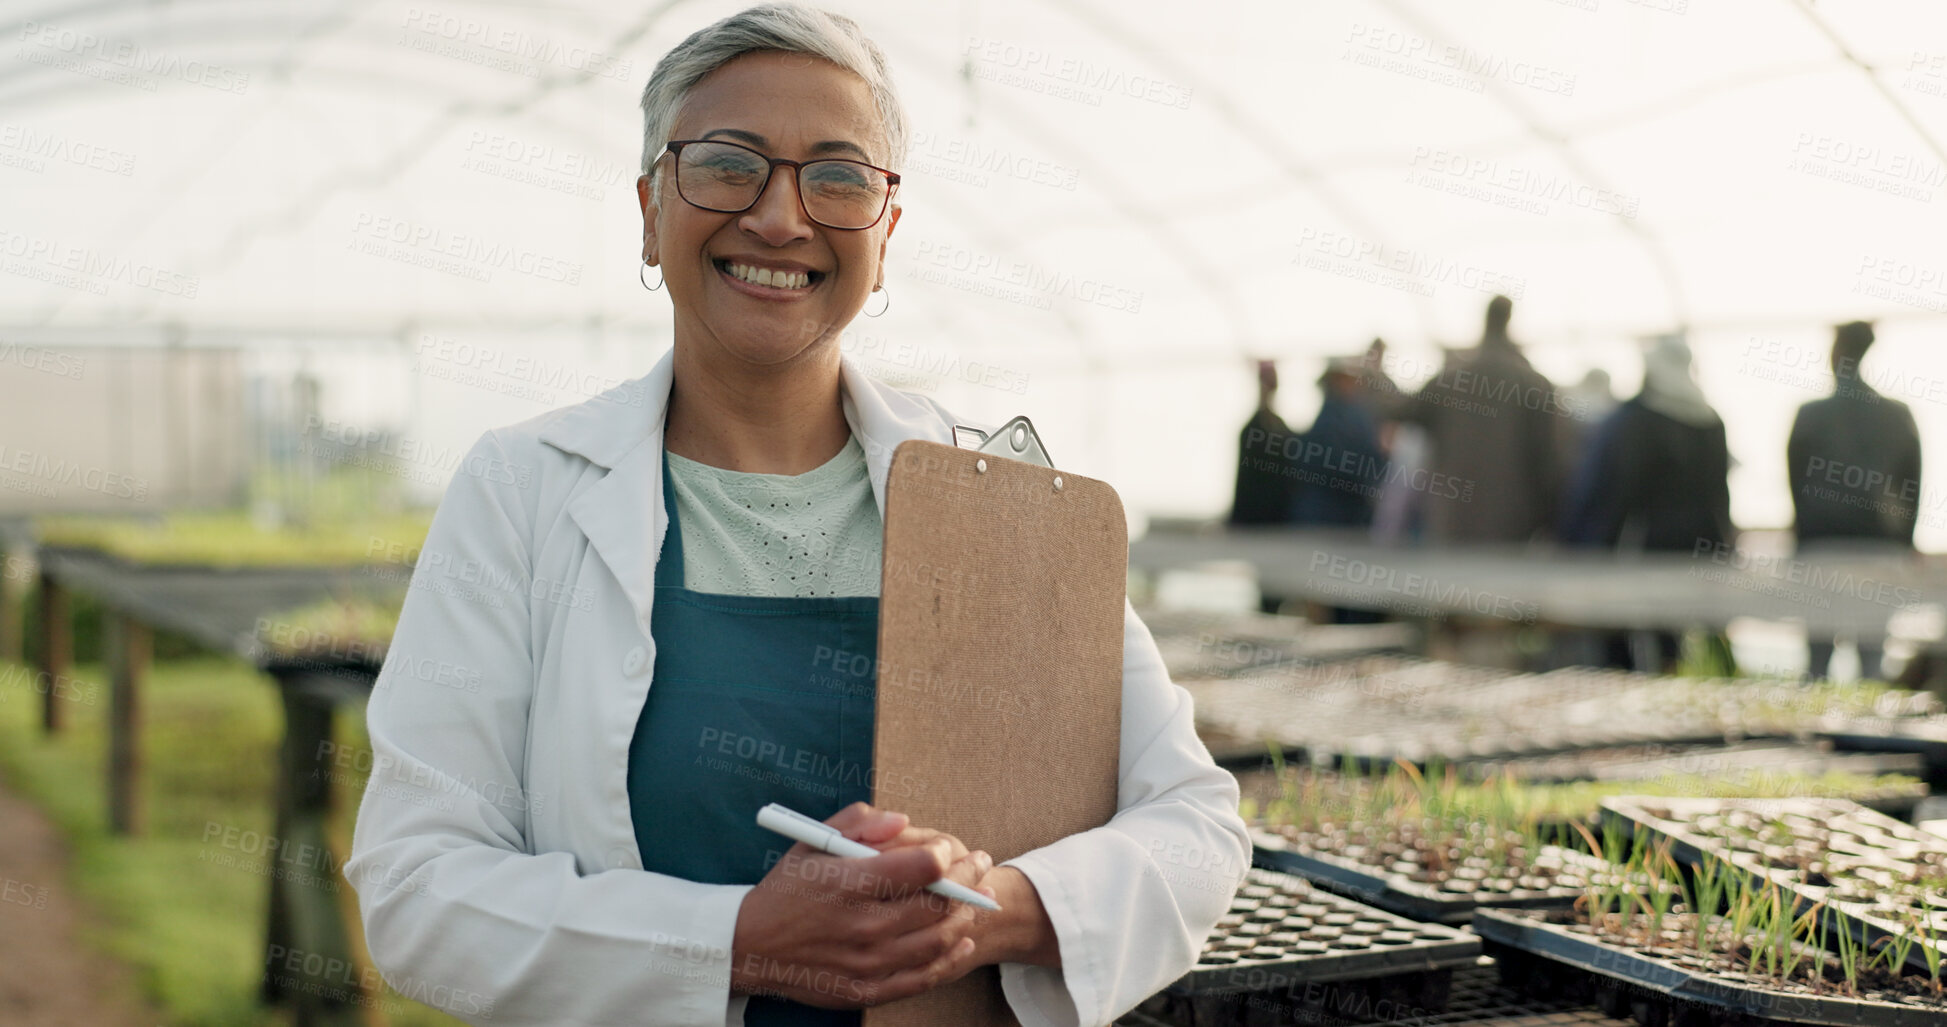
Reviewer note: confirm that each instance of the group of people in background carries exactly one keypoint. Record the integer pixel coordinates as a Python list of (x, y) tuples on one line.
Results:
[(1488, 451)]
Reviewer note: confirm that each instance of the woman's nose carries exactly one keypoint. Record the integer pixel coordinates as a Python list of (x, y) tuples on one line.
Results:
[(778, 217)]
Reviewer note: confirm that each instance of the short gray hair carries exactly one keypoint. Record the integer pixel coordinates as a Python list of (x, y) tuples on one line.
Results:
[(790, 27)]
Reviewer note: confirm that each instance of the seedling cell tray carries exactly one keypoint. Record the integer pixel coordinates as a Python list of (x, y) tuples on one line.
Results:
[(1537, 953), (1478, 998), (1873, 873), (1560, 877), (1380, 708), (1650, 762), (1281, 932), (1925, 737)]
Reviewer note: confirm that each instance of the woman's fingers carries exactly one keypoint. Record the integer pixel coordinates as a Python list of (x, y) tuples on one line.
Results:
[(936, 925), (924, 835), (893, 938), (864, 822), (888, 829), (898, 916), (950, 966), (888, 940), (897, 873)]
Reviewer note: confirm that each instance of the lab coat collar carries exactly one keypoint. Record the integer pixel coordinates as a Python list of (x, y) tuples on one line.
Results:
[(621, 429)]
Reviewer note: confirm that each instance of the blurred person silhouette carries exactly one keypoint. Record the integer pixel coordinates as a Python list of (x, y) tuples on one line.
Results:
[(1339, 466), (1377, 392), (1263, 491), (1492, 427), (1396, 514), (1854, 464), (1655, 479), (1591, 400)]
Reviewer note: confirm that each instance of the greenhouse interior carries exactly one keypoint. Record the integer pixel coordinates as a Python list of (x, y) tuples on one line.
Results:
[(1355, 512)]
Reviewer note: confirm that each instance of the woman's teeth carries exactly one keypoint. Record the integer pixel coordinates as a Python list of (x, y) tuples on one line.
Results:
[(766, 276)]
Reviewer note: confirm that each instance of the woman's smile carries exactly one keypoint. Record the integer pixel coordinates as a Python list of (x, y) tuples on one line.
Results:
[(778, 281)]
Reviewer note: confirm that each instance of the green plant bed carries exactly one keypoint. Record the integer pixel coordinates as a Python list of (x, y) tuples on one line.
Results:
[(231, 538), (333, 632), (184, 903), (1697, 939), (1879, 880), (1308, 798), (85, 617), (1436, 845), (1761, 960)]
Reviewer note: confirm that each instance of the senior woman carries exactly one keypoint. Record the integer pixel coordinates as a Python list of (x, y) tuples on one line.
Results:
[(621, 604)]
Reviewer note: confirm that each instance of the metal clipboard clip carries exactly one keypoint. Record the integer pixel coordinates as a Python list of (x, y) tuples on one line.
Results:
[(1016, 440)]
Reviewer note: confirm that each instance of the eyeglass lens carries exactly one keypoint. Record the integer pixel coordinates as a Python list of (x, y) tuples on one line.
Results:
[(727, 177)]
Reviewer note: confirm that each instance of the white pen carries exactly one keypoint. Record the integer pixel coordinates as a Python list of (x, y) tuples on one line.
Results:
[(826, 838)]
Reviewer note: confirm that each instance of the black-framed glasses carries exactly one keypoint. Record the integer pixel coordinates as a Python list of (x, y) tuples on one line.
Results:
[(729, 177)]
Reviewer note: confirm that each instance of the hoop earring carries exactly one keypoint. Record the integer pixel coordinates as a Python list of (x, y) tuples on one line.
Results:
[(881, 290), (640, 277)]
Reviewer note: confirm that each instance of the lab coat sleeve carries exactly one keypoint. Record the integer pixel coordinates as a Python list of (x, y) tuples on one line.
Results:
[(458, 913), (1133, 901)]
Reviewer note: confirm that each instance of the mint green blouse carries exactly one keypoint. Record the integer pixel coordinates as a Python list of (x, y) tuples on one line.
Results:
[(793, 535)]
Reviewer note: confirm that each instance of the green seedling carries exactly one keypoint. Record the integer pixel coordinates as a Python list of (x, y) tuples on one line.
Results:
[(1742, 904), (1818, 975), (1894, 948), (1744, 916), (1928, 937), (1532, 836), (1591, 892), (1287, 787), (1771, 921), (1711, 881), (1849, 958), (1781, 931), (1624, 895), (1808, 924), (1660, 893)]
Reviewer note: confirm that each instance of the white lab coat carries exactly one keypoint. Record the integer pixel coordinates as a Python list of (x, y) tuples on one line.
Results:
[(494, 858)]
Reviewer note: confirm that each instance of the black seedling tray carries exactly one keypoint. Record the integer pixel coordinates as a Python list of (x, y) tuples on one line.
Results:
[(1476, 996), (1872, 841), (1661, 991), (1378, 709), (1397, 893), (1798, 760), (1925, 737), (1480, 997), (1199, 644), (1382, 708), (1281, 932), (1649, 762)]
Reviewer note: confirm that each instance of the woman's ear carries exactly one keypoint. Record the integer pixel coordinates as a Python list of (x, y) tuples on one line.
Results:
[(646, 199)]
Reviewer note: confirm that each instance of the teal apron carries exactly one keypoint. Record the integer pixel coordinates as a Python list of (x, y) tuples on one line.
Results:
[(754, 700)]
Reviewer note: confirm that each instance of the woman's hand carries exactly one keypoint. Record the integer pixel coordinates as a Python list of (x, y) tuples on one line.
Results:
[(848, 933)]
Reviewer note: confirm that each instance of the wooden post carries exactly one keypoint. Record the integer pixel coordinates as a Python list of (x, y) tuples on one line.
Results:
[(321, 983), (128, 664), (57, 648), (14, 572)]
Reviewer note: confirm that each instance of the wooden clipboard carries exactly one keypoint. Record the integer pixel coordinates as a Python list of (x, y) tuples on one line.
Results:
[(999, 708)]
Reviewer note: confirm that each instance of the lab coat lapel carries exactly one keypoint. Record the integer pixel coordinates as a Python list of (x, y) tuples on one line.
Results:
[(882, 418), (623, 431)]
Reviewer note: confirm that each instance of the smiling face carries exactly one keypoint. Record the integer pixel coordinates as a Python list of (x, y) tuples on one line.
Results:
[(783, 105)]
